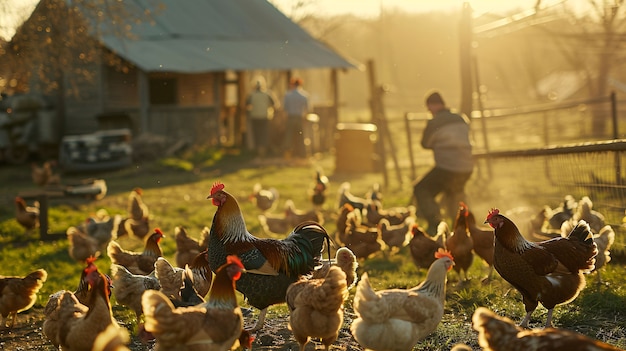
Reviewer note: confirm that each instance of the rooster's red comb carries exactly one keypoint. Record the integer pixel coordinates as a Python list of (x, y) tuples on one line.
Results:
[(493, 212), (158, 231), (443, 253), (217, 186), (90, 260)]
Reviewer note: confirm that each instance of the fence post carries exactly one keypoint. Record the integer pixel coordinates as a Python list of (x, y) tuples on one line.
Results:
[(409, 138), (614, 115)]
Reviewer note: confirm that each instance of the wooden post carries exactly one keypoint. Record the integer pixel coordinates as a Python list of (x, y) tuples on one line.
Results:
[(465, 53)]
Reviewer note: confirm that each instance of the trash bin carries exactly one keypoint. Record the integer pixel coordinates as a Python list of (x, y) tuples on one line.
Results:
[(355, 145)]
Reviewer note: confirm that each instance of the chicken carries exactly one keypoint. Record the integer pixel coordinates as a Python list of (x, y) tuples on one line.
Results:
[(44, 175), (79, 331), (296, 216), (342, 217), (344, 259), (396, 236), (362, 240), (550, 272), (497, 333), (398, 215), (129, 287), (187, 248), (135, 262), (171, 278), (318, 193), (272, 264), (604, 240), (52, 311), (396, 319), (423, 247), (214, 325), (585, 212), (187, 294), (563, 212), (482, 240), (18, 294), (346, 197), (26, 216), (460, 244), (264, 199), (375, 193), (112, 339), (81, 245), (273, 223), (102, 228), (137, 209), (316, 307)]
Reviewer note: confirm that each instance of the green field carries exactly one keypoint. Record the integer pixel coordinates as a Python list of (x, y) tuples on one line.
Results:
[(176, 189)]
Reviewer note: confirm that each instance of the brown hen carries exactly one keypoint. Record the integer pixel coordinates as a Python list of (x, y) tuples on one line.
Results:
[(18, 294), (138, 262), (497, 333), (550, 272)]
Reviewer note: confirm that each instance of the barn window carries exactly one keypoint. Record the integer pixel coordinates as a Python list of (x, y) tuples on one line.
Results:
[(163, 91)]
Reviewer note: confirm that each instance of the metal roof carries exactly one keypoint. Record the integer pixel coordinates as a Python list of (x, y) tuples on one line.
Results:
[(194, 36)]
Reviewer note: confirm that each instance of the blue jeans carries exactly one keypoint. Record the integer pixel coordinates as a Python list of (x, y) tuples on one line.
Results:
[(294, 137), (435, 182)]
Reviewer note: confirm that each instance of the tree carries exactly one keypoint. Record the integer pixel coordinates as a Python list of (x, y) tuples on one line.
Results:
[(591, 46), (60, 41)]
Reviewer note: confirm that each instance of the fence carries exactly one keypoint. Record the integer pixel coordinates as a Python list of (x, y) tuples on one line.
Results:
[(534, 157)]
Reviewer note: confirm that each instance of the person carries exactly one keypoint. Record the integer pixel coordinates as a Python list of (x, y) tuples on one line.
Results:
[(260, 105), (296, 106), (447, 135)]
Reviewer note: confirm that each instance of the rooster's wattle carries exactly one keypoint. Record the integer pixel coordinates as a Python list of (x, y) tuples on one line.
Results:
[(271, 264)]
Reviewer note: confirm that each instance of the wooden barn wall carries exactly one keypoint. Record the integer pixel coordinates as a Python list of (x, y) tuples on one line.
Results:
[(195, 89), (83, 102), (121, 89)]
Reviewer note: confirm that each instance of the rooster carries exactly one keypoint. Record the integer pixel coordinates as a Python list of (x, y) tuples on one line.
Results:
[(264, 199), (316, 307), (497, 333), (26, 216), (272, 265), (396, 319), (138, 262), (18, 294), (550, 272), (213, 325), (318, 193)]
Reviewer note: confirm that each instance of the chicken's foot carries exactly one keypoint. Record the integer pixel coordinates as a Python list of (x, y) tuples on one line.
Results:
[(260, 322)]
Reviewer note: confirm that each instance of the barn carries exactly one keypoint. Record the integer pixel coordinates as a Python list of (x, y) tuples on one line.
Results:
[(186, 70)]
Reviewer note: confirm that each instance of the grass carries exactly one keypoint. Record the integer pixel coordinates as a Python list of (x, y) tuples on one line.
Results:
[(175, 190)]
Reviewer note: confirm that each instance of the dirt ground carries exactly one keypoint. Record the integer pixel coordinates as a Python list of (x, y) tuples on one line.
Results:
[(27, 335)]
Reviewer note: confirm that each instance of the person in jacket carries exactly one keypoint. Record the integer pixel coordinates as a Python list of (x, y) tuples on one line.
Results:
[(296, 106), (260, 104), (447, 135)]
